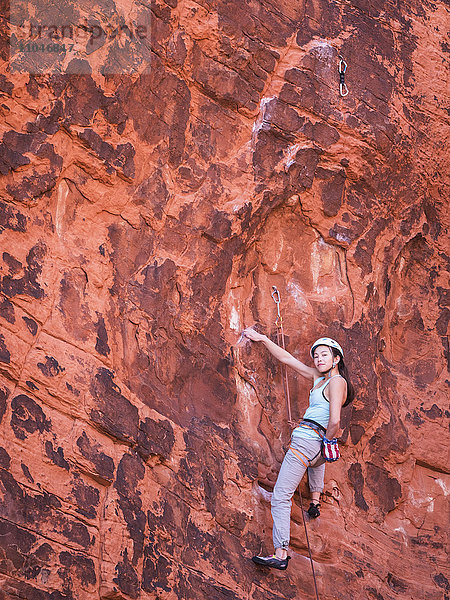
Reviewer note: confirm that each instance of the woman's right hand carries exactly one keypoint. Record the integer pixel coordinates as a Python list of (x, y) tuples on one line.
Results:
[(253, 335)]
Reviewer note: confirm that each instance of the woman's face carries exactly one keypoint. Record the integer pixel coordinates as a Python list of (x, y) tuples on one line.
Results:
[(323, 359)]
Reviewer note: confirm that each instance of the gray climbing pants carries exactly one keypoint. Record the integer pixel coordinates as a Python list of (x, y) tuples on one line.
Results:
[(302, 452)]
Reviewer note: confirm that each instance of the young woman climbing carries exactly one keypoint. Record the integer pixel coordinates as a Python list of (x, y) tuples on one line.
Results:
[(330, 391)]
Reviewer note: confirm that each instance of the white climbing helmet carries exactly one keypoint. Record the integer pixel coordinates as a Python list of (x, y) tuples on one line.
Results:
[(325, 341)]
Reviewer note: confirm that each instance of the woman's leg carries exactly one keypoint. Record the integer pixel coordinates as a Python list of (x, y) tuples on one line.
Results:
[(315, 479), (291, 472)]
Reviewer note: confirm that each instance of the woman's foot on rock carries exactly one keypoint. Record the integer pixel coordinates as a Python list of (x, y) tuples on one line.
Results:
[(314, 510), (272, 561)]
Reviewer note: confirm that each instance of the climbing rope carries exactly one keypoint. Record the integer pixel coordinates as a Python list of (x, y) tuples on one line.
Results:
[(343, 89), (280, 337), (309, 547), (280, 341)]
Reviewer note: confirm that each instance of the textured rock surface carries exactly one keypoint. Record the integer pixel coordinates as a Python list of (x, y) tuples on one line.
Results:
[(144, 220)]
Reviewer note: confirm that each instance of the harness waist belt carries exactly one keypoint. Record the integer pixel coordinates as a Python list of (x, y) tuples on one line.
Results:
[(311, 422)]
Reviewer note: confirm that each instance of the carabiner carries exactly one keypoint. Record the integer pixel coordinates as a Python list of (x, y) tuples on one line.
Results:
[(276, 293), (342, 65), (277, 299), (343, 89)]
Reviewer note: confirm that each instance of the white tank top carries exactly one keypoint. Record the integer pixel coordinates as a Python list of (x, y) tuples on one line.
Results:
[(318, 410)]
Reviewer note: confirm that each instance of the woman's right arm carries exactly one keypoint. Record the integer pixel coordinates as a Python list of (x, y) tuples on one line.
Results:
[(281, 354)]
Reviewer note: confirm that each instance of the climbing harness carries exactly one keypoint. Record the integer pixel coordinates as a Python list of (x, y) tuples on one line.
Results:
[(343, 89), (329, 449), (280, 338), (280, 335)]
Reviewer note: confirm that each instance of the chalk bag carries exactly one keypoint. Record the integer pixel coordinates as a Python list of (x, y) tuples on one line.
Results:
[(330, 449)]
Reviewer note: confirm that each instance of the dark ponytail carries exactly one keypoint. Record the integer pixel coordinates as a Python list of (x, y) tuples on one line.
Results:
[(344, 373)]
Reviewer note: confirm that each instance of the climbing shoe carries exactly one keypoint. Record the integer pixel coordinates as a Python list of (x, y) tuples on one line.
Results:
[(313, 510), (272, 561)]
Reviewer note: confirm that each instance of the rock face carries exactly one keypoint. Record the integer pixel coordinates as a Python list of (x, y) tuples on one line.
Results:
[(144, 218)]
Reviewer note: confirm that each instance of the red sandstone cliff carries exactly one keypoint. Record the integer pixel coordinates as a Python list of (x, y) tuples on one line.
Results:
[(144, 218)]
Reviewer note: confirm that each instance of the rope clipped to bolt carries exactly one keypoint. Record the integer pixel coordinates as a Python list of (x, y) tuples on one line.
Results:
[(280, 338), (343, 89)]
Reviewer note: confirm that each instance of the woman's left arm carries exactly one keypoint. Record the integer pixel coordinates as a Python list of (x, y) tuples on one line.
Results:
[(337, 392)]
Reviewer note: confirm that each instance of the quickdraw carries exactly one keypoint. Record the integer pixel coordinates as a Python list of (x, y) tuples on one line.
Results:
[(280, 338), (343, 89)]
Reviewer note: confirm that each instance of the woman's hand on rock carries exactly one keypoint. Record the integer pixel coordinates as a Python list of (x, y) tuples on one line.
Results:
[(253, 335)]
